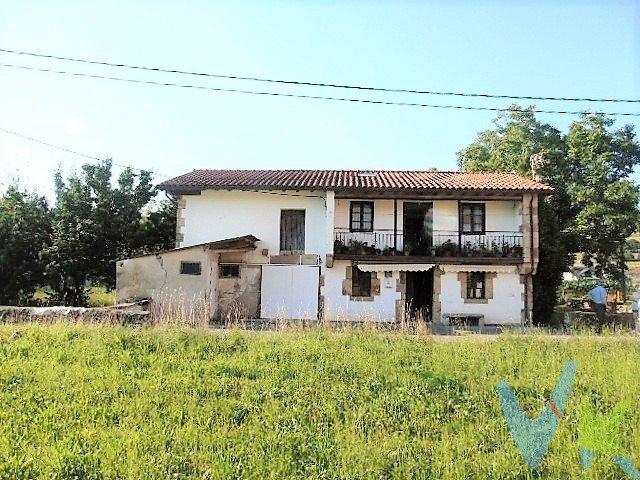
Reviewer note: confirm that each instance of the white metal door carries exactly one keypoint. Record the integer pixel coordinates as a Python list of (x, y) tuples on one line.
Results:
[(289, 292)]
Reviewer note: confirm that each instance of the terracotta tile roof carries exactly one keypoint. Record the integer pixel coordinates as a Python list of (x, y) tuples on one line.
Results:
[(341, 180)]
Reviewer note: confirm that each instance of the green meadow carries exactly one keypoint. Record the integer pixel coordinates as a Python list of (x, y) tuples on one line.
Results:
[(99, 402)]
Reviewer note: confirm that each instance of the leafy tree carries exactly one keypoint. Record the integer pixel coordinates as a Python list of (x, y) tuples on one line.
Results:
[(594, 207), (24, 233), (516, 139), (159, 225), (75, 237), (604, 200), (96, 223)]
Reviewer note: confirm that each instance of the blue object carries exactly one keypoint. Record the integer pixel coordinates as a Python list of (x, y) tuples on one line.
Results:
[(627, 467), (598, 294), (533, 437), (586, 458)]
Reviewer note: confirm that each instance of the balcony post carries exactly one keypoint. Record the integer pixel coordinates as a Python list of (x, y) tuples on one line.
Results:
[(395, 226), (330, 203), (459, 230)]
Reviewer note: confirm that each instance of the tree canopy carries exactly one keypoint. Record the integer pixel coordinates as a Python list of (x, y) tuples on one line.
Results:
[(25, 229), (75, 244), (594, 206)]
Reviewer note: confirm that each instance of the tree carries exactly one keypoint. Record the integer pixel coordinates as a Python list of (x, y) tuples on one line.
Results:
[(95, 224), (159, 225), (24, 234), (75, 238), (516, 140), (594, 207), (603, 198)]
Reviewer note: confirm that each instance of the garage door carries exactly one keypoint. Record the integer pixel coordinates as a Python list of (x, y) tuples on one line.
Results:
[(289, 292)]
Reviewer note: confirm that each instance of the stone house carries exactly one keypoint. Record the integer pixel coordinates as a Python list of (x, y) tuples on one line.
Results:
[(348, 246)]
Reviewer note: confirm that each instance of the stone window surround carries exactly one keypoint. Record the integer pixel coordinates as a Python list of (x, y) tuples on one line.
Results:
[(347, 285), (488, 291)]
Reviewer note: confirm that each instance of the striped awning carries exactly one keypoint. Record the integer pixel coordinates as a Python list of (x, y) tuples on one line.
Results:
[(395, 267)]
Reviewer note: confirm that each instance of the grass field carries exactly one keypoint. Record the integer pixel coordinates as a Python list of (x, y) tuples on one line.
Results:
[(105, 402)]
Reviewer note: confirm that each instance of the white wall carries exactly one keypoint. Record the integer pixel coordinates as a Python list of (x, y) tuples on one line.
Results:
[(216, 215), (339, 307), (382, 214), (501, 215), (445, 215), (158, 277), (505, 306)]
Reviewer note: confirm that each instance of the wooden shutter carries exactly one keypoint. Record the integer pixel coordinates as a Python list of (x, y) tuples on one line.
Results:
[(292, 231)]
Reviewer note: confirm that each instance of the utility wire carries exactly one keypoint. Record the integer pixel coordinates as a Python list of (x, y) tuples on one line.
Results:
[(314, 97), (319, 84), (41, 142), (74, 152)]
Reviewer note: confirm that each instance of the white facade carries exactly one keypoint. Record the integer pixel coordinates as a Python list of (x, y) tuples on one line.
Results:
[(213, 215), (339, 307), (504, 308), (220, 214), (502, 215)]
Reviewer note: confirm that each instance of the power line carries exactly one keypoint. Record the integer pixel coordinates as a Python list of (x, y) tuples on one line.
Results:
[(313, 97), (74, 152), (319, 84), (41, 142)]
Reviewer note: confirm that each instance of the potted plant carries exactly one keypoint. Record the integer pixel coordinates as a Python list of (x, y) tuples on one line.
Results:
[(357, 247), (516, 251), (447, 249), (339, 246)]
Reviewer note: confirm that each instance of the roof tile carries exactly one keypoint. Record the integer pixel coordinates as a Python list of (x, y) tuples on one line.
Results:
[(351, 180)]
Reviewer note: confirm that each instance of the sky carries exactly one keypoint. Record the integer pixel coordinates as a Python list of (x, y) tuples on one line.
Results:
[(543, 48)]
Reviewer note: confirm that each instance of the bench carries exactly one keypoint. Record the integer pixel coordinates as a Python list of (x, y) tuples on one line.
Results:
[(463, 319)]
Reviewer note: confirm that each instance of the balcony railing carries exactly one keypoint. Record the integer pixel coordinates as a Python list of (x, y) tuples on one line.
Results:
[(441, 243)]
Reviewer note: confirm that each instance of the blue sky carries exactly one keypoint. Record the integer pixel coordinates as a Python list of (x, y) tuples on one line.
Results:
[(533, 48)]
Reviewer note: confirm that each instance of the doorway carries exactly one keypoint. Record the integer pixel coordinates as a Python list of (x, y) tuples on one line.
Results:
[(419, 295), (292, 231), (417, 228)]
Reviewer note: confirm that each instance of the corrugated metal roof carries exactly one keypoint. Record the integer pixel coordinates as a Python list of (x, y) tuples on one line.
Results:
[(340, 180)]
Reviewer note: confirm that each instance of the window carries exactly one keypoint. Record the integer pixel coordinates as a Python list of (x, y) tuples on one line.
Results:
[(292, 231), (190, 268), (360, 283), (229, 270), (361, 217), (472, 218), (476, 285)]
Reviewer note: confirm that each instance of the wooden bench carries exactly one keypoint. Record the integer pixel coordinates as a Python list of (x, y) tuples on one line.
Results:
[(463, 319)]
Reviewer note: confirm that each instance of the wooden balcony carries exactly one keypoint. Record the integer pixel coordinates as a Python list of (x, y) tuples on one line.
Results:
[(440, 246)]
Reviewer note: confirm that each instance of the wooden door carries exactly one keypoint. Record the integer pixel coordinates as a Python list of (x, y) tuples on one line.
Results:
[(292, 231)]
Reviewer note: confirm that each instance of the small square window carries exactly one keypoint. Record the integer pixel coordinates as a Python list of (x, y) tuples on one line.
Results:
[(472, 218), (476, 285), (190, 268), (229, 271), (360, 283), (361, 217)]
